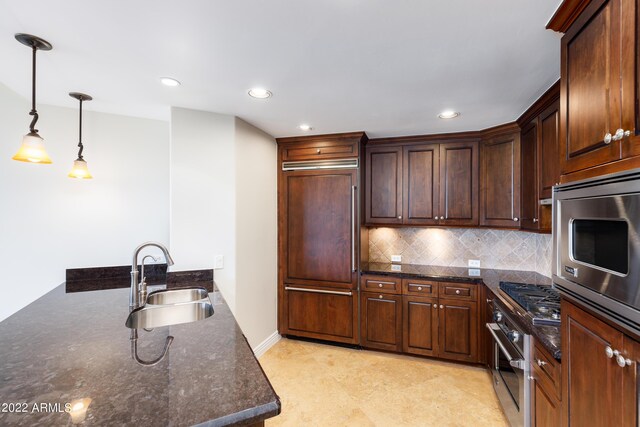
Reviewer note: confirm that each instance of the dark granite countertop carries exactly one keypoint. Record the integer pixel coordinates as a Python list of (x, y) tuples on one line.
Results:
[(65, 347), (548, 336)]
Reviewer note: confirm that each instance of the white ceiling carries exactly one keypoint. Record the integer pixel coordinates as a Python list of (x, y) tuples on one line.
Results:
[(386, 67)]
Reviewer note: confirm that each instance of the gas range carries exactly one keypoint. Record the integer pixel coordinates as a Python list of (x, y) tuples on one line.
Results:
[(541, 302)]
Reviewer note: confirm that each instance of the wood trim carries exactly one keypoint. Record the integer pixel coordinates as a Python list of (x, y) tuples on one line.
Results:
[(544, 102), (566, 15), (500, 130), (359, 136), (430, 138), (601, 170)]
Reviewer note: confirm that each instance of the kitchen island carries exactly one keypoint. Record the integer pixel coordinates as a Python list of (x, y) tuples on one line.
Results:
[(67, 359)]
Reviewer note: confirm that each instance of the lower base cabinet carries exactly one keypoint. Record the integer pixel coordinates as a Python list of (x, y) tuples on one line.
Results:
[(421, 322), (381, 321), (599, 369), (546, 391), (315, 314)]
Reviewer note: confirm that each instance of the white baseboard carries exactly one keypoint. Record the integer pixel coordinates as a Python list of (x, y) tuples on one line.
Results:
[(266, 344)]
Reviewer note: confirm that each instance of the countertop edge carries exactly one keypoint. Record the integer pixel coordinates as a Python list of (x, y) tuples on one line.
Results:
[(246, 417)]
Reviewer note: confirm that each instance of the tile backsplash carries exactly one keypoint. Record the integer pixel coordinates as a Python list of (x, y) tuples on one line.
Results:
[(454, 247)]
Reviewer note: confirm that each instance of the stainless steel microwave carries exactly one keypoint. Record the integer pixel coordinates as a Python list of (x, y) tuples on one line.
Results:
[(596, 247)]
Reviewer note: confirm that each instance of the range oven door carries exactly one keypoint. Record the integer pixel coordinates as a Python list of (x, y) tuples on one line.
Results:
[(510, 373), (598, 243)]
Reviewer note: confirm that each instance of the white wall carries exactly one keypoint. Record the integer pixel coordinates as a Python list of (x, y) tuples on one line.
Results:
[(49, 222), (203, 194), (224, 202), (256, 234)]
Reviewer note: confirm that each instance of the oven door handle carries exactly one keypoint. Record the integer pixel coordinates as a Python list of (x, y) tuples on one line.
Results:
[(516, 363)]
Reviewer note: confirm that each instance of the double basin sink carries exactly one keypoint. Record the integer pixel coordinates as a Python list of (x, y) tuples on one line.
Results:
[(171, 307)]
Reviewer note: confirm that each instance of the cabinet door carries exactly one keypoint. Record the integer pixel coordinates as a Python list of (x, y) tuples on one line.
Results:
[(548, 152), (631, 377), (420, 325), (327, 316), (381, 321), (317, 227), (529, 203), (458, 330), (459, 183), (630, 77), (383, 201), (545, 408), (590, 87), (591, 381), (421, 184), (500, 181)]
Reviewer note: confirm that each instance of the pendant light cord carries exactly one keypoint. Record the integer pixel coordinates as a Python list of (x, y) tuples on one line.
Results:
[(80, 133), (33, 111)]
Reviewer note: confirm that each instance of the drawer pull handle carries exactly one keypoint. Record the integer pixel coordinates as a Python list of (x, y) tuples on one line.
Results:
[(317, 291), (380, 296), (457, 291), (380, 285), (419, 288)]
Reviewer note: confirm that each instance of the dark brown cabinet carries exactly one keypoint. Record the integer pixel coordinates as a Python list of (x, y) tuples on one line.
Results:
[(381, 321), (540, 163), (458, 322), (383, 185), (599, 95), (318, 237), (596, 390), (500, 180), (546, 409), (422, 184), (420, 325)]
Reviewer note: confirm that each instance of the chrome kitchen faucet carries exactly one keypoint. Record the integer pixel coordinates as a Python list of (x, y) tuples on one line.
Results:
[(136, 295)]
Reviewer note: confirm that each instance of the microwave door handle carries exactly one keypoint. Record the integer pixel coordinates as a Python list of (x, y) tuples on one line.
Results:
[(516, 363)]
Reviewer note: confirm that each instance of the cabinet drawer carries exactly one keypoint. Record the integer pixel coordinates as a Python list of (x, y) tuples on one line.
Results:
[(547, 371), (383, 284), (319, 150), (461, 291), (419, 287)]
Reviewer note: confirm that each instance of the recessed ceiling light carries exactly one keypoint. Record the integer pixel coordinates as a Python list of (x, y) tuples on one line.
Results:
[(448, 114), (259, 93), (305, 127), (168, 81)]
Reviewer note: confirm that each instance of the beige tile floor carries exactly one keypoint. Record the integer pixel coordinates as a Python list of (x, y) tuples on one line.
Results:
[(325, 385)]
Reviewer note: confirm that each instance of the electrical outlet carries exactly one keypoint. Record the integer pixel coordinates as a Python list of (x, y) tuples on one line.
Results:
[(474, 272), (474, 263), (219, 262), (396, 258), (396, 267)]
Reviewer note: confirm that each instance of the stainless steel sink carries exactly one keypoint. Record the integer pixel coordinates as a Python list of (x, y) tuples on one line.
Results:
[(177, 296), (154, 316)]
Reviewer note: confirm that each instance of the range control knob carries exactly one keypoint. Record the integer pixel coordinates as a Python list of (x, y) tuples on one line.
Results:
[(514, 336), (497, 316)]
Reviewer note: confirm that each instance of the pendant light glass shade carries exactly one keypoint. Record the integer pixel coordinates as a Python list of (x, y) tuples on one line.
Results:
[(80, 170), (32, 150)]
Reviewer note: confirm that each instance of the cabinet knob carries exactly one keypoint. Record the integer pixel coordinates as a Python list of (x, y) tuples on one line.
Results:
[(516, 219), (540, 362), (419, 288), (318, 151), (535, 219), (380, 285), (607, 138), (620, 133), (441, 217), (489, 301), (380, 296), (441, 306), (457, 291), (622, 361), (399, 216), (610, 352)]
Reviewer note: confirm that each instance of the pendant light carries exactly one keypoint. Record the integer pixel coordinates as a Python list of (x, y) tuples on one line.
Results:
[(32, 148), (80, 169)]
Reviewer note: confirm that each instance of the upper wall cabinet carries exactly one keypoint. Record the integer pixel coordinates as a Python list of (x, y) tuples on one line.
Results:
[(320, 147), (422, 184), (540, 164), (599, 87), (500, 179)]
